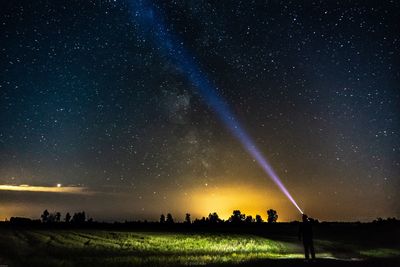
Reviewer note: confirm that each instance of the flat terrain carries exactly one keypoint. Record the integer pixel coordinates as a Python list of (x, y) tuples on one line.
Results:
[(95, 247)]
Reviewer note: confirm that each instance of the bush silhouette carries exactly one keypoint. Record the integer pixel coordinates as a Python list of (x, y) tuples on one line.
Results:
[(237, 217), (169, 220)]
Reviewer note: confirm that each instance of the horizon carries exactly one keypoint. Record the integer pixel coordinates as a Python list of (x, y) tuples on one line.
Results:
[(181, 218), (207, 200)]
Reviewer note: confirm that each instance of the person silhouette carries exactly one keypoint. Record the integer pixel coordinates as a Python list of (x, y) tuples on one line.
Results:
[(306, 235)]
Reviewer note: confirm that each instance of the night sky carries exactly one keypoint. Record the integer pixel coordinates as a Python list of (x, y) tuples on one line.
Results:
[(95, 116)]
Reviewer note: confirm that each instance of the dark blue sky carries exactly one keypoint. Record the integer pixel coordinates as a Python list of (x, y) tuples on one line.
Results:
[(88, 99)]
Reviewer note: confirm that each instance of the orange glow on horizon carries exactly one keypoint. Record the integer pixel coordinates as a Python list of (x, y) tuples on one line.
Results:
[(249, 200)]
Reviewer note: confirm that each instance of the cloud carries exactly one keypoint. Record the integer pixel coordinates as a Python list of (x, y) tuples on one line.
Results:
[(50, 189)]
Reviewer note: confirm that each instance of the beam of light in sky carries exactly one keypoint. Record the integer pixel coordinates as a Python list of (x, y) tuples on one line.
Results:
[(168, 45)]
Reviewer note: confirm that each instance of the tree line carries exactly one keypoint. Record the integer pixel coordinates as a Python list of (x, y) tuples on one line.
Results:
[(55, 217), (237, 217)]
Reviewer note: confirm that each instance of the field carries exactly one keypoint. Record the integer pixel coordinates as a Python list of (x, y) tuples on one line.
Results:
[(97, 247)]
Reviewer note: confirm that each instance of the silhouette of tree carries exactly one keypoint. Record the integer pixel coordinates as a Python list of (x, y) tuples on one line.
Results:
[(169, 220), (187, 218), (162, 218), (200, 221), (272, 216), (51, 218), (67, 217), (259, 219), (237, 217), (58, 216), (214, 218), (79, 217), (45, 216), (249, 219), (75, 218), (20, 221)]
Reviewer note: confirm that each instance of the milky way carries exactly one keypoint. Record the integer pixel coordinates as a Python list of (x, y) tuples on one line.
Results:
[(87, 100)]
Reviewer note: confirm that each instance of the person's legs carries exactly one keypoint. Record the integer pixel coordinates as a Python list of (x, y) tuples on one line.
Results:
[(312, 250), (306, 252)]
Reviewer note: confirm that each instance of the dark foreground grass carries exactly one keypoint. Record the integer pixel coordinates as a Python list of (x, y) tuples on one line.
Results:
[(22, 247)]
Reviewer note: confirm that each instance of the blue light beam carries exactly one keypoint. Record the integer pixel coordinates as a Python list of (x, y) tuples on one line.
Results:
[(168, 45)]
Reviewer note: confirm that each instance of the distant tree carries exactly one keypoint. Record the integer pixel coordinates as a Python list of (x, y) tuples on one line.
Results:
[(162, 218), (237, 217), (200, 221), (169, 219), (45, 216), (315, 221), (51, 218), (388, 220), (272, 216), (187, 219), (67, 217), (20, 221), (75, 217), (58, 216), (79, 217), (249, 219), (259, 219), (214, 218)]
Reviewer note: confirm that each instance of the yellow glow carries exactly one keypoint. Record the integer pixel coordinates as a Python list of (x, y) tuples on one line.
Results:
[(248, 199), (52, 189)]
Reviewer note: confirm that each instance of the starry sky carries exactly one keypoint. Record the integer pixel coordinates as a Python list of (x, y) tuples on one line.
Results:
[(95, 117)]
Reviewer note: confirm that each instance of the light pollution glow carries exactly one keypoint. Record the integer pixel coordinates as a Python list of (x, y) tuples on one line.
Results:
[(250, 200)]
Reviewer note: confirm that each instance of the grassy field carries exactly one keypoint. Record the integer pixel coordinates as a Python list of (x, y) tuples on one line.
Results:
[(19, 247)]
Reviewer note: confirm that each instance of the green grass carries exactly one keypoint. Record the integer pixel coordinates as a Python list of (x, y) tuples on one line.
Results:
[(73, 247), (381, 253), (119, 248)]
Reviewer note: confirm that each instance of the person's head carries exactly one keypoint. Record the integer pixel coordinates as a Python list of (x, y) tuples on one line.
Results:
[(305, 218)]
